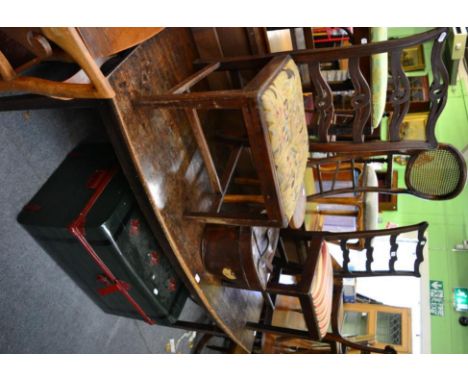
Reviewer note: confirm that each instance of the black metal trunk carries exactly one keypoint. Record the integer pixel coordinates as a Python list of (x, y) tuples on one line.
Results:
[(87, 219)]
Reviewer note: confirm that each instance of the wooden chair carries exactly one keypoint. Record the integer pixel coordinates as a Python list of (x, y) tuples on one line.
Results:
[(89, 48), (313, 38), (311, 278), (361, 100), (287, 344), (337, 342), (438, 174), (333, 343), (272, 110), (361, 207)]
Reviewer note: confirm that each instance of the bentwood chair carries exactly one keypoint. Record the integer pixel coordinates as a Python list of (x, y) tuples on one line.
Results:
[(438, 174), (273, 132), (312, 280), (322, 124), (25, 53)]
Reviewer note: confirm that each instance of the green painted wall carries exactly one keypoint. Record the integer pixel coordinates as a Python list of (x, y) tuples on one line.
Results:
[(448, 220)]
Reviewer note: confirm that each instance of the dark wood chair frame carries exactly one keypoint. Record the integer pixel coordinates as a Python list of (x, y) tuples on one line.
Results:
[(338, 343), (400, 99), (353, 159), (313, 241), (246, 100), (356, 200), (334, 343)]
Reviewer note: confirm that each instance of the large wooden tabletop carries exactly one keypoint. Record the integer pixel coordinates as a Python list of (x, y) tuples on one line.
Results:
[(161, 160)]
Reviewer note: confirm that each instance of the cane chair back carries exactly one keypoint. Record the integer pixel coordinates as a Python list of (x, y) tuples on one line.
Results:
[(438, 174)]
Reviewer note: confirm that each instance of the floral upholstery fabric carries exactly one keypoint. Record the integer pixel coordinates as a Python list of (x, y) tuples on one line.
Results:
[(282, 111), (379, 77)]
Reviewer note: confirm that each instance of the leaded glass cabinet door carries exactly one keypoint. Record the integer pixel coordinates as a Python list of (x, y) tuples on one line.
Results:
[(381, 324)]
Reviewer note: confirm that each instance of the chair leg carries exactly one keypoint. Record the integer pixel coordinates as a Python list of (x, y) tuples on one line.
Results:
[(282, 252), (232, 219), (219, 349), (267, 313), (202, 343), (268, 299), (231, 167), (363, 348), (199, 327), (277, 330), (70, 41), (204, 150)]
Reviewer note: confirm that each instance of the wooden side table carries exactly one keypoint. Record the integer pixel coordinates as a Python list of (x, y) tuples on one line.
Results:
[(240, 256)]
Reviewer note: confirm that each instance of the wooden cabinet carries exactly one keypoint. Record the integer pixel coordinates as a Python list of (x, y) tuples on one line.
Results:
[(384, 324)]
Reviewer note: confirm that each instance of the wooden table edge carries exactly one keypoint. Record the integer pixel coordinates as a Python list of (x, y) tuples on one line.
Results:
[(120, 142)]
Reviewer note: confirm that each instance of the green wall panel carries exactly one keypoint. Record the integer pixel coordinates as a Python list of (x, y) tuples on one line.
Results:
[(448, 221)]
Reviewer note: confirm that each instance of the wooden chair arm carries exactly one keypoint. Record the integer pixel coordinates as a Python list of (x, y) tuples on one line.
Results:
[(7, 72)]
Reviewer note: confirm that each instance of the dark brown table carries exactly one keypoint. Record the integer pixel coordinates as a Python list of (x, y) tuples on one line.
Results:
[(159, 155)]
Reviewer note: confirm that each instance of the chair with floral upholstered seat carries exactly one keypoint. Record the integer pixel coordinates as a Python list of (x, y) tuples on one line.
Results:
[(323, 121), (274, 134)]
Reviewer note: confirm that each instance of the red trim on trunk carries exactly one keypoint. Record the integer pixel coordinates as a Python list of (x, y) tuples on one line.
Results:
[(76, 228), (110, 287)]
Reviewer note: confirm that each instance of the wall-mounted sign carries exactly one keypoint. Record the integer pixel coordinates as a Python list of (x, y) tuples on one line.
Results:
[(460, 299), (436, 296)]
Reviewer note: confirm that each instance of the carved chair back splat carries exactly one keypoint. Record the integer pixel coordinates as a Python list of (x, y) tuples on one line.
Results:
[(361, 100)]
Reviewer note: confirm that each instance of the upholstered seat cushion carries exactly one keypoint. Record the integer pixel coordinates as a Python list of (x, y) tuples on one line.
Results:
[(288, 309), (282, 112), (322, 290)]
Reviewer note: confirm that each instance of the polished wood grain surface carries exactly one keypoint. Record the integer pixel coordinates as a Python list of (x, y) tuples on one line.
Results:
[(105, 41), (164, 153)]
